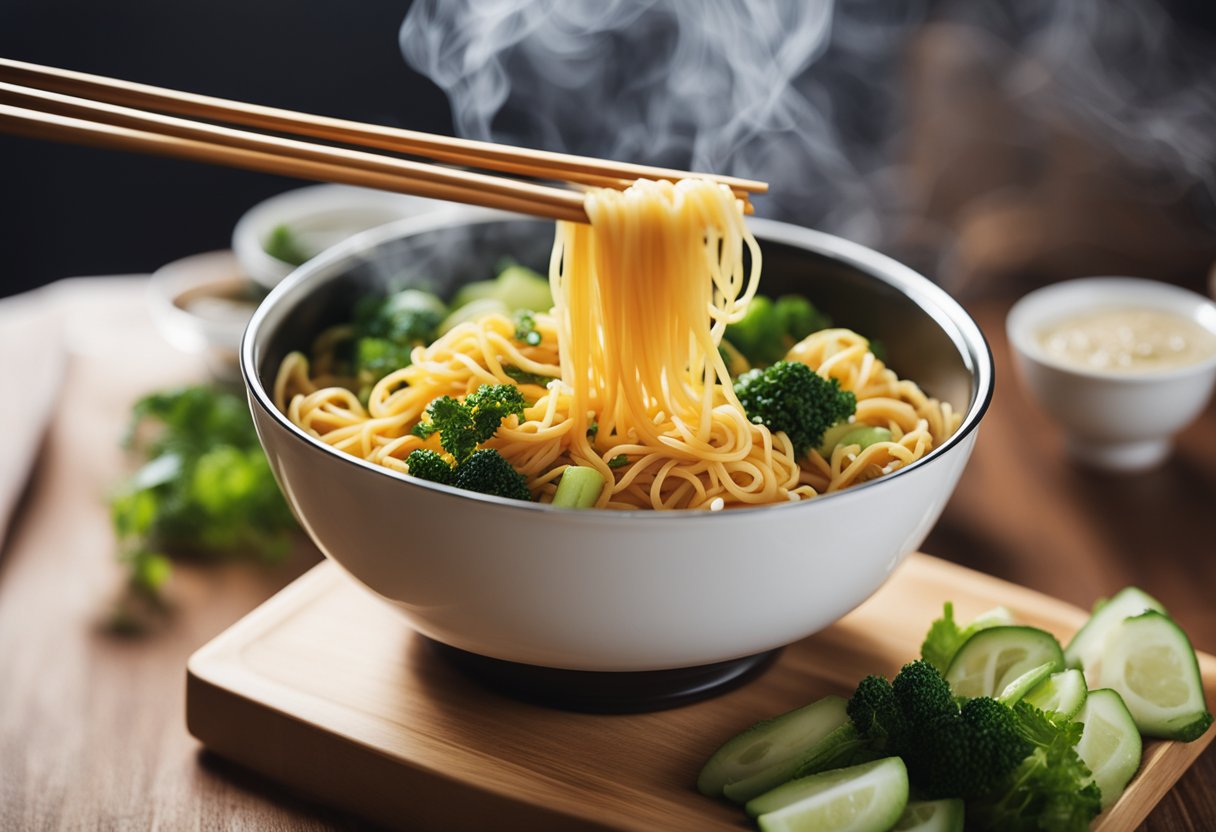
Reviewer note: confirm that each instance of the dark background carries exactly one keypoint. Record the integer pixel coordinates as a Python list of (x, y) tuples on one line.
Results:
[(70, 210), (67, 210)]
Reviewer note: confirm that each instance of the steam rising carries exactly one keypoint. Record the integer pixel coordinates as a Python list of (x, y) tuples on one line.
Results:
[(807, 94)]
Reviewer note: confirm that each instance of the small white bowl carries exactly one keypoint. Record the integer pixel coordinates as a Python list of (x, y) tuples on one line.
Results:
[(201, 305), (1116, 421), (320, 216)]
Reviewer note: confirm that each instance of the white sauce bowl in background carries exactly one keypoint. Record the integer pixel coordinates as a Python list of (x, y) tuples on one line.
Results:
[(1114, 419)]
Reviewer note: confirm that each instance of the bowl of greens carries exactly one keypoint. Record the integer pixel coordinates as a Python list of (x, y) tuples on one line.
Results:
[(538, 584), (278, 234)]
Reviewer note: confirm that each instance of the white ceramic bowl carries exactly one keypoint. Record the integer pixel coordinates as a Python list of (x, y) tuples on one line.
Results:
[(320, 216), (1114, 421), (201, 304), (606, 590)]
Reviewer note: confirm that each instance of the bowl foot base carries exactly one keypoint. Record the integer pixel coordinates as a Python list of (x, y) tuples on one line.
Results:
[(605, 692)]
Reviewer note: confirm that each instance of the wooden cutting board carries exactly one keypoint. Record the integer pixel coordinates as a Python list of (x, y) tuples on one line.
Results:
[(328, 691)]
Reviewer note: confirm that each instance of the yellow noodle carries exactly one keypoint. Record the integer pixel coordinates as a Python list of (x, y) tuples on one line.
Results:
[(643, 295)]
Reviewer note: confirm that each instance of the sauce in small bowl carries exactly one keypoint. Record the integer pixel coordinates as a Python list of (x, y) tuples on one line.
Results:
[(1121, 363), (1127, 339)]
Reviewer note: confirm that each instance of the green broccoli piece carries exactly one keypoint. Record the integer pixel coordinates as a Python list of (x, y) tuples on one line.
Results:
[(462, 426), (283, 244), (488, 472), (525, 328), (768, 329), (426, 464), (970, 754), (454, 421), (874, 712), (408, 317), (490, 404), (799, 318), (377, 357), (789, 396), (759, 334), (922, 694), (948, 752), (388, 328), (1050, 788)]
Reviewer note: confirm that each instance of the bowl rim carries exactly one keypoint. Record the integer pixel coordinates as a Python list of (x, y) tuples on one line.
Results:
[(1056, 301), (934, 301)]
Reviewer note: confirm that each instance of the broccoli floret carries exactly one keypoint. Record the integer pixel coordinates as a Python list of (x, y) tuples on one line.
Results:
[(410, 316), (525, 328), (488, 472), (1050, 788), (922, 694), (377, 357), (462, 426), (759, 334), (969, 755), (875, 714), (454, 421), (426, 464), (768, 329), (948, 753), (789, 396), (387, 329), (799, 318), (490, 404)]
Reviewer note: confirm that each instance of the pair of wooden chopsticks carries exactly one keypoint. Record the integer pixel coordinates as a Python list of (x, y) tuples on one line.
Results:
[(49, 103)]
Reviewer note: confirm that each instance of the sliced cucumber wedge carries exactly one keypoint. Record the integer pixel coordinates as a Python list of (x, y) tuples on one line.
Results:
[(931, 816), (768, 753), (994, 658), (865, 798), (1085, 649), (1150, 662), (1061, 695), (1024, 684), (1110, 744)]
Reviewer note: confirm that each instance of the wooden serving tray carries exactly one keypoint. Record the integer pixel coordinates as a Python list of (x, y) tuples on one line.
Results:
[(328, 691)]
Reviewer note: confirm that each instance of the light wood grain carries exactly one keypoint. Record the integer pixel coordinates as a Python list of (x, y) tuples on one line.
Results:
[(355, 696)]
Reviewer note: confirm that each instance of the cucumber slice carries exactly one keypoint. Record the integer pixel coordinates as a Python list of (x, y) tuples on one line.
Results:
[(1110, 744), (836, 750), (1060, 696), (931, 816), (851, 433), (1150, 662), (472, 311), (1085, 649), (1028, 681), (865, 798), (992, 659), (768, 753)]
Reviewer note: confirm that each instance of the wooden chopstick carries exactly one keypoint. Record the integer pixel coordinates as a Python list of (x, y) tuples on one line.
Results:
[(41, 125), (536, 163), (392, 173)]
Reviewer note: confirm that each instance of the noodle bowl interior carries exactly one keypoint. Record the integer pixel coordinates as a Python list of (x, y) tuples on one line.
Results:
[(628, 373)]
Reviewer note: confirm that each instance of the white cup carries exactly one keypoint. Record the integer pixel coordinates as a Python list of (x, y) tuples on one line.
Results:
[(1113, 420)]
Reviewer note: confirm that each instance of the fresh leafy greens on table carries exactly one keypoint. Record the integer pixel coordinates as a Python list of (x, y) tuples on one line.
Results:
[(205, 488)]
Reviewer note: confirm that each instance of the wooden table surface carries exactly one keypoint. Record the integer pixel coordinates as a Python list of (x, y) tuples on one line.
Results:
[(91, 726)]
